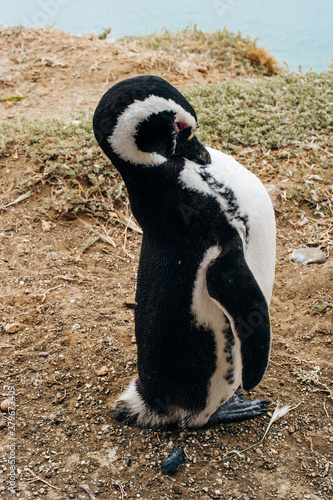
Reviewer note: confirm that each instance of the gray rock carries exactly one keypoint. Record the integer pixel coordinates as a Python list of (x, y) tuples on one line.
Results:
[(308, 256), (173, 461)]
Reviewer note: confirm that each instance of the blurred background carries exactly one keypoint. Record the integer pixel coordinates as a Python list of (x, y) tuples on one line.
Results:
[(297, 32)]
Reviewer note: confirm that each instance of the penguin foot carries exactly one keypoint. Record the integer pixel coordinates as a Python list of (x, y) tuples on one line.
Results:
[(237, 410), (122, 413), (129, 405)]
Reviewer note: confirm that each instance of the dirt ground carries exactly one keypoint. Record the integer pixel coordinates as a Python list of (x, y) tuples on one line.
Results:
[(64, 318), (61, 72)]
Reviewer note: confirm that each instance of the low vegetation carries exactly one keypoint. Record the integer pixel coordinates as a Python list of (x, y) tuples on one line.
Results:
[(278, 127), (231, 51)]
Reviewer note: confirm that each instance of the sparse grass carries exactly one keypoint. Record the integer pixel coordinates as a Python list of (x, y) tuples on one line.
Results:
[(105, 33), (278, 127), (86, 245), (320, 306), (66, 156), (313, 380), (232, 51), (12, 98), (291, 111)]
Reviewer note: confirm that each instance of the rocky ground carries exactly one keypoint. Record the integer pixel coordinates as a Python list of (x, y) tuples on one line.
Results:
[(66, 344)]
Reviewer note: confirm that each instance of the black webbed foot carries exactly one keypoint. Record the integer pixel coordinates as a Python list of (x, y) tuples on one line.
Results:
[(237, 410)]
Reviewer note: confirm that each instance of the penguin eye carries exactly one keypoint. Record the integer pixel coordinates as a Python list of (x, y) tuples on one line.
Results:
[(180, 126)]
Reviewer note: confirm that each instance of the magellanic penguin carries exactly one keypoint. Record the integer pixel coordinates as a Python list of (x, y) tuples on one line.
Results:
[(207, 261)]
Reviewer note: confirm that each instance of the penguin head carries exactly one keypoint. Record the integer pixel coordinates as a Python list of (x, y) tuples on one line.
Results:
[(145, 121)]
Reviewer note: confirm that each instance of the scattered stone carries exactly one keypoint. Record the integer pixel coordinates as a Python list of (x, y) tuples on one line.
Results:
[(308, 256), (102, 371), (43, 354), (2, 424), (177, 490), (205, 489), (5, 405), (133, 339), (46, 226), (128, 462), (130, 303), (14, 327), (172, 462)]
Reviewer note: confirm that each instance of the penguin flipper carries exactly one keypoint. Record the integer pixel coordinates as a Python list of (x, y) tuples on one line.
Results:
[(233, 287)]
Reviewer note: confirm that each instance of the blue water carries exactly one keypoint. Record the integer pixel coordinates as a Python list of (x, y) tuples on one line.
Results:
[(298, 32)]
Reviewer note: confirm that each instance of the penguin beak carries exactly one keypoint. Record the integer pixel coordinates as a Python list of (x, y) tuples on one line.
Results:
[(189, 146)]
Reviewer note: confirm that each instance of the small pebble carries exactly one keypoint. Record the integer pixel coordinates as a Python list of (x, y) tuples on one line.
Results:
[(130, 303), (102, 371), (176, 490), (172, 462), (5, 405), (308, 256), (46, 225), (2, 424), (14, 327)]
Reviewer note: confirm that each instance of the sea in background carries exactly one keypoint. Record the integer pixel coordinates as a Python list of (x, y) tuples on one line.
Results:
[(297, 32)]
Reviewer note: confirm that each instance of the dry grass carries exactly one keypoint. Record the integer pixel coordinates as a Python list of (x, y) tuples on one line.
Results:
[(222, 49), (261, 57)]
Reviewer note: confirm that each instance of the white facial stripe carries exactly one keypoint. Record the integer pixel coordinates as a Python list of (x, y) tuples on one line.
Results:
[(122, 140)]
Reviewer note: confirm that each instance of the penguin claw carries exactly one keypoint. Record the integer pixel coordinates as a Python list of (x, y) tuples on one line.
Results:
[(121, 413), (238, 410)]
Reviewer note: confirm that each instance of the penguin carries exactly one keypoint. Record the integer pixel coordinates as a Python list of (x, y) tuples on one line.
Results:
[(206, 267)]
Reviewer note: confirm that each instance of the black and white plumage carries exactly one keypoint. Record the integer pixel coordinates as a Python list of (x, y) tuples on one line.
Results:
[(207, 261)]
